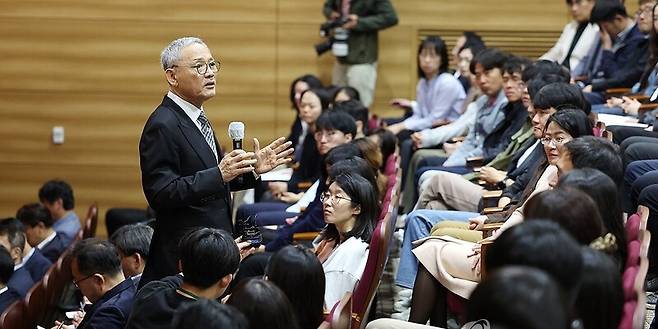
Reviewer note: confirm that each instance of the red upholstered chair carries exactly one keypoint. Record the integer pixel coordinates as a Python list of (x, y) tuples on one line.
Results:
[(391, 164), (91, 221), (36, 305), (628, 282), (627, 315), (633, 258), (14, 316), (365, 290), (633, 227)]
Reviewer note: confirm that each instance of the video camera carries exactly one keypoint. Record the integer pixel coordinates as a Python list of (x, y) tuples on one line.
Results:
[(336, 37)]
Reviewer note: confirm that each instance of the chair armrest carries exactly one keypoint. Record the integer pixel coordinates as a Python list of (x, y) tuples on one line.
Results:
[(617, 91), (305, 236), (492, 194), (491, 210), (484, 248), (641, 98)]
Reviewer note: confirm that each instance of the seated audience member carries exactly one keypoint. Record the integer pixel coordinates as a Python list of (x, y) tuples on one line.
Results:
[(387, 143), (208, 259), (264, 305), (578, 37), (619, 58), (132, 242), (312, 103), (208, 314), (573, 209), (57, 196), (542, 245), (344, 94), (299, 128), (96, 269), (334, 129), (488, 69), (600, 299), (466, 47), (514, 116), (30, 264), (373, 155), (439, 95), (308, 302), (350, 208), (344, 163), (7, 294), (357, 111), (39, 231), (603, 190), (649, 80)]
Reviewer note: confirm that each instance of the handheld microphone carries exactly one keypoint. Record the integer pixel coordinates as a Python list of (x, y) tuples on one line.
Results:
[(236, 133)]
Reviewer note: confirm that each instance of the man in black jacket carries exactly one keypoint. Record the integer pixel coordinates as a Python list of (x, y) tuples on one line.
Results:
[(184, 175), (209, 259)]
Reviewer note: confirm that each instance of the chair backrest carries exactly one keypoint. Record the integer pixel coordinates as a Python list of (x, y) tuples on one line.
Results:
[(341, 315), (365, 290), (13, 316), (632, 227), (633, 257), (35, 304), (389, 169), (643, 212), (91, 221)]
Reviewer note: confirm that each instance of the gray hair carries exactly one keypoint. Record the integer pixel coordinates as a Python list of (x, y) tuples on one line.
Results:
[(131, 239), (171, 53)]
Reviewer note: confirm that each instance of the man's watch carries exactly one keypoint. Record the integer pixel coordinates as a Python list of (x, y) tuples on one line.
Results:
[(501, 185)]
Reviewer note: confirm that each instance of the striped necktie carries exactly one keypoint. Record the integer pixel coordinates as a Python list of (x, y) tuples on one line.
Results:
[(206, 131)]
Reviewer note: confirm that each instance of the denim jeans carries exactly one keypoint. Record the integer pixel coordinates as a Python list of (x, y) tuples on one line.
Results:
[(417, 226)]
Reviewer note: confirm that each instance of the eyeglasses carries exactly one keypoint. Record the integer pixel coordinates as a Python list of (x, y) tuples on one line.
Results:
[(333, 199), (75, 283), (557, 141), (644, 11), (202, 68)]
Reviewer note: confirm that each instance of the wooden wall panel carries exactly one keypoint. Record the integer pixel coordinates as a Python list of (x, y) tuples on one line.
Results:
[(93, 67), (154, 10), (87, 57)]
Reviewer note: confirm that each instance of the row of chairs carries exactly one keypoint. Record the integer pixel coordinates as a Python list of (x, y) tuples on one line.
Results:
[(43, 300), (635, 269), (353, 309)]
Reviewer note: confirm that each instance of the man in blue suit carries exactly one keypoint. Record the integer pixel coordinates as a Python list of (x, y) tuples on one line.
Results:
[(96, 269), (38, 225), (7, 295), (30, 264)]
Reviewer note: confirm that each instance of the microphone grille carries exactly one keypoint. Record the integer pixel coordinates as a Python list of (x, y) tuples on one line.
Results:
[(236, 130)]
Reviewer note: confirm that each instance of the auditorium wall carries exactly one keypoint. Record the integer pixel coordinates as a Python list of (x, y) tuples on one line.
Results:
[(92, 67)]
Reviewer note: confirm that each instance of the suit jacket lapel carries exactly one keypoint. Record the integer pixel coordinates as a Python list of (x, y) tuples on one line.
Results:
[(192, 134)]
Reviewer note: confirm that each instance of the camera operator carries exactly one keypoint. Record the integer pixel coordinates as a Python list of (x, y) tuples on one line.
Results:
[(362, 20)]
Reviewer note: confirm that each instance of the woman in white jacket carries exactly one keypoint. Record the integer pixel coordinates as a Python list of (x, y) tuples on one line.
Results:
[(577, 38)]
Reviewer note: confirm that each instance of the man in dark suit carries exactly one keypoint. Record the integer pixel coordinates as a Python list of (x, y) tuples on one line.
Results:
[(38, 224), (96, 269), (133, 243), (7, 294), (30, 264), (184, 176)]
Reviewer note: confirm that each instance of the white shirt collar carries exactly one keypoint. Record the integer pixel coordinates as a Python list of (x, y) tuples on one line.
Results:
[(192, 111), (47, 240), (2, 291), (25, 259)]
